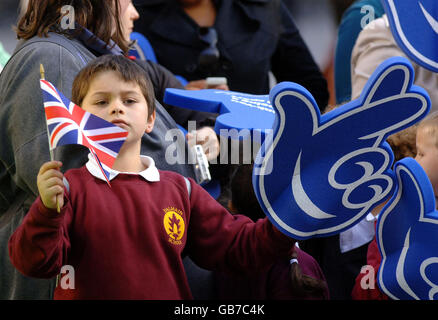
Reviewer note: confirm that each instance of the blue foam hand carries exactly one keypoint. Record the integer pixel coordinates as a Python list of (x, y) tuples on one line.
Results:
[(320, 175), (407, 236), (414, 25), (244, 112)]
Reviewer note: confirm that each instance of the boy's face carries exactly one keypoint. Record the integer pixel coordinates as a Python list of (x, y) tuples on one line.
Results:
[(119, 102), (427, 157)]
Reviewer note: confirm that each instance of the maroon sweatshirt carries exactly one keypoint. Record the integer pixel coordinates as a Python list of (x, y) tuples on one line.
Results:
[(126, 241)]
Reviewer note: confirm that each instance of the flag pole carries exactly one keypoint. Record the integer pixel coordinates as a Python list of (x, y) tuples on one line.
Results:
[(52, 158)]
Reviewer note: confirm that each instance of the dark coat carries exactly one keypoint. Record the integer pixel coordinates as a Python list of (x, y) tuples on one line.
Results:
[(161, 79), (254, 37)]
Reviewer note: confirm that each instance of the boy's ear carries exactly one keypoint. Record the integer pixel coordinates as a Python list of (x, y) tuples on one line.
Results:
[(150, 123)]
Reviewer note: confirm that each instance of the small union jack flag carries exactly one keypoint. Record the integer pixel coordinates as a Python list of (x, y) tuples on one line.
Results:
[(67, 123)]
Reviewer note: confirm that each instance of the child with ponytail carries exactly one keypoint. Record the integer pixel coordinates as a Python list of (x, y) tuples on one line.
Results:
[(298, 277)]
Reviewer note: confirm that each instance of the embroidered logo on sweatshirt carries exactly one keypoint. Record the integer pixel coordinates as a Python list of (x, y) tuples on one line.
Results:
[(174, 224)]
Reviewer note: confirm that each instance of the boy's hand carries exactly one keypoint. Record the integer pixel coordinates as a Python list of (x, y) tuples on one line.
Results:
[(50, 185)]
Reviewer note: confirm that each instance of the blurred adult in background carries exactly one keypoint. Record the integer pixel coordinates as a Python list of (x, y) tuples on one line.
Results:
[(354, 19), (340, 7), (239, 40), (320, 37), (375, 44), (242, 40), (163, 78)]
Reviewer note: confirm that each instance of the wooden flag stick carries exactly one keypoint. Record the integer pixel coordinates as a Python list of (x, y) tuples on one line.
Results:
[(52, 158), (42, 72)]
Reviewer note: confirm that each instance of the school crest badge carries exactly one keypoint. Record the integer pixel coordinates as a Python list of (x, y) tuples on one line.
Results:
[(174, 225)]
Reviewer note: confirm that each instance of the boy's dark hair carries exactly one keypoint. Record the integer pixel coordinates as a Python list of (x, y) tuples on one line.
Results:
[(98, 16), (126, 69), (244, 201)]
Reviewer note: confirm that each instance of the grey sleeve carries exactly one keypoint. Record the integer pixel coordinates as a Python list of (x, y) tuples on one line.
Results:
[(22, 120)]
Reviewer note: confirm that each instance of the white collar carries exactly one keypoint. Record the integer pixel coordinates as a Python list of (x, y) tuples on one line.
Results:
[(150, 174)]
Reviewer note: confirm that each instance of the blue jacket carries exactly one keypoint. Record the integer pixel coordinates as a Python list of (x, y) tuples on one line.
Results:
[(254, 37)]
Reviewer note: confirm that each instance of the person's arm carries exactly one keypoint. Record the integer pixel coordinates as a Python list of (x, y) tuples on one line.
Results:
[(374, 45), (218, 240), (354, 20), (40, 245), (348, 31), (292, 61)]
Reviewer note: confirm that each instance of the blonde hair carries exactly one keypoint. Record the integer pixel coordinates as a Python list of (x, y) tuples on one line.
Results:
[(430, 126)]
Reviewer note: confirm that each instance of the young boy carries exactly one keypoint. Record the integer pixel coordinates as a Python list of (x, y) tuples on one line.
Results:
[(127, 241)]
